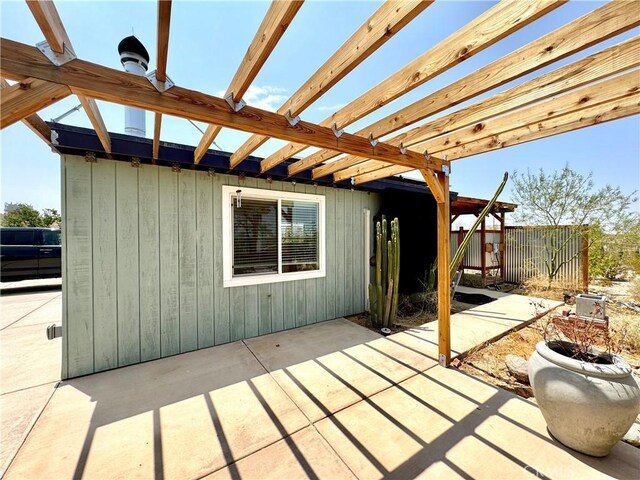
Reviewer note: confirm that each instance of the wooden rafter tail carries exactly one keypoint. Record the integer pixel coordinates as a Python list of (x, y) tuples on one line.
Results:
[(496, 23), (107, 84), (48, 19), (28, 97), (276, 21), (390, 18), (610, 61), (613, 88), (599, 25), (91, 108), (605, 112), (34, 122), (164, 24)]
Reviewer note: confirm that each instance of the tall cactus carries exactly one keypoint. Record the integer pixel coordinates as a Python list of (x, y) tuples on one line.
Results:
[(387, 277)]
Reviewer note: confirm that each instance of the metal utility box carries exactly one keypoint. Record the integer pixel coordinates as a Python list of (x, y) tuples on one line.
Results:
[(591, 306)]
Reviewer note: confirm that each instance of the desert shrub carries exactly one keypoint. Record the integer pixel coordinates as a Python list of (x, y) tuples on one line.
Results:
[(612, 255)]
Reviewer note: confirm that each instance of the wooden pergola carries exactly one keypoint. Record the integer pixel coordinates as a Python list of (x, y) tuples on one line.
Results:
[(601, 87)]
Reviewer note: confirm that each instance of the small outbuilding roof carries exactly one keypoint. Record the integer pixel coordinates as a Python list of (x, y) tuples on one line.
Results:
[(473, 206)]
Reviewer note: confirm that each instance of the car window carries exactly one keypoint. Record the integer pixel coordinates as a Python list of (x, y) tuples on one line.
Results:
[(51, 237), (17, 237)]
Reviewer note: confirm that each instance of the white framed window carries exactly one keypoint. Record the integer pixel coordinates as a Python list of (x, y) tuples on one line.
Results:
[(270, 236)]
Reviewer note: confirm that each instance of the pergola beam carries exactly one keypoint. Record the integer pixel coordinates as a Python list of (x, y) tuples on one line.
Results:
[(34, 122), (389, 19), (111, 85), (164, 23), (574, 101), (598, 25), (271, 30), (495, 24), (48, 19), (598, 114), (609, 61), (28, 97)]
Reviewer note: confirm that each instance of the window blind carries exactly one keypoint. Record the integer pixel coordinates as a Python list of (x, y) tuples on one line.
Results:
[(299, 232), (255, 236)]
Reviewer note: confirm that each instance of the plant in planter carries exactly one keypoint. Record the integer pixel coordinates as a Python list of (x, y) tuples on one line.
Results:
[(587, 396)]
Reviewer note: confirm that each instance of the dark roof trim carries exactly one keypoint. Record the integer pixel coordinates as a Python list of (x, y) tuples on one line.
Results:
[(72, 140)]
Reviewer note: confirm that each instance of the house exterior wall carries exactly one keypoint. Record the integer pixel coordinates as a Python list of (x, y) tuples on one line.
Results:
[(143, 265)]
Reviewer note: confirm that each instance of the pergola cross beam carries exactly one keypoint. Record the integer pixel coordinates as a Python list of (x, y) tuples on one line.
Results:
[(96, 81)]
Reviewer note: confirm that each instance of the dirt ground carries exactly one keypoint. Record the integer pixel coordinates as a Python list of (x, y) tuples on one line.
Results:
[(409, 318), (488, 361)]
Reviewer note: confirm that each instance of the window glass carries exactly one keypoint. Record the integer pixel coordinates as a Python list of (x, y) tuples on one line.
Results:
[(255, 236), (51, 237), (299, 227), (17, 237)]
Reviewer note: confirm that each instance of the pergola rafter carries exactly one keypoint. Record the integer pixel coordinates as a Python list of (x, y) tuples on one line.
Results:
[(389, 19), (609, 61), (605, 112), (35, 123), (602, 87), (601, 24), (164, 22), (271, 30), (498, 22), (48, 19), (28, 97), (621, 86)]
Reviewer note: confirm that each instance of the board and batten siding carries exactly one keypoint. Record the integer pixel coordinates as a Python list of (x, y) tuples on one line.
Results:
[(143, 265)]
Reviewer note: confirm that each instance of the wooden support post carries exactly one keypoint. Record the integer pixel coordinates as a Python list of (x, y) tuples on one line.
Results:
[(585, 261), (444, 280), (483, 250), (503, 245)]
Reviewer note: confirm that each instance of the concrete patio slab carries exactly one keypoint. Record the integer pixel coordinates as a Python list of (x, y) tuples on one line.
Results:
[(179, 417), (14, 307), (446, 424), (18, 413), (28, 358), (48, 313), (303, 455), (283, 349)]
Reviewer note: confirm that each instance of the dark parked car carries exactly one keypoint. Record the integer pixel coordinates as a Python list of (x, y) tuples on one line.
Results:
[(27, 253)]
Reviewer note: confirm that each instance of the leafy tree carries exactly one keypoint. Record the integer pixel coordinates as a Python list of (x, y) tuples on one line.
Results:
[(24, 215), (611, 255), (566, 197)]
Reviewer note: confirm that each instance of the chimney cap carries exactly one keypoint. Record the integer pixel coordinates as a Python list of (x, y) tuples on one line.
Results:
[(132, 45)]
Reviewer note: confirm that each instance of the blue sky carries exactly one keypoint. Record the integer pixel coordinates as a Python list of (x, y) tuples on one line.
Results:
[(208, 40)]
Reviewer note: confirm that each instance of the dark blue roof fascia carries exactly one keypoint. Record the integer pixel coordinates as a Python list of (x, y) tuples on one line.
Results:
[(74, 140)]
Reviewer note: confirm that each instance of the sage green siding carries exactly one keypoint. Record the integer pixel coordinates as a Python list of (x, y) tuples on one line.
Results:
[(143, 265)]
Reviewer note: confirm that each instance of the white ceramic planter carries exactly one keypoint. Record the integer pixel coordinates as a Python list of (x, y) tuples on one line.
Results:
[(588, 407)]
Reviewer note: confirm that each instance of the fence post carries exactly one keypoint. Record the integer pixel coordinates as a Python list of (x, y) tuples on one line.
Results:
[(585, 260), (503, 245), (483, 250)]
